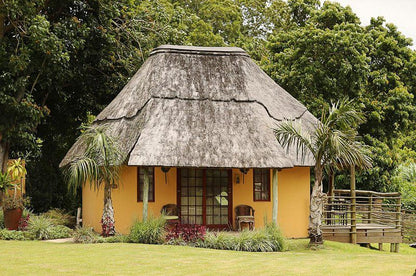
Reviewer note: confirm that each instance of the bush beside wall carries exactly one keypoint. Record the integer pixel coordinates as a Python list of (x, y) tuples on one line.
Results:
[(269, 239), (151, 231)]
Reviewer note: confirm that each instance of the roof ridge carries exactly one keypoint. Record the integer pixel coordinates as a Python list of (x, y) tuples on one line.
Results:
[(200, 50)]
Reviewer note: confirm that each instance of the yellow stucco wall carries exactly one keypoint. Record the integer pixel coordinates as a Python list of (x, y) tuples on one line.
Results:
[(293, 200), (126, 208)]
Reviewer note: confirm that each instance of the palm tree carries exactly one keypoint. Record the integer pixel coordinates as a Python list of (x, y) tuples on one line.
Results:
[(333, 143), (99, 165)]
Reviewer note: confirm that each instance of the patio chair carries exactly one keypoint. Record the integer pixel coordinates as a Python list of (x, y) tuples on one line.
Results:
[(244, 214), (171, 213)]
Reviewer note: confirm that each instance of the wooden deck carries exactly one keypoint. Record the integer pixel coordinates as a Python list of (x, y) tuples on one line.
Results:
[(366, 233), (363, 217)]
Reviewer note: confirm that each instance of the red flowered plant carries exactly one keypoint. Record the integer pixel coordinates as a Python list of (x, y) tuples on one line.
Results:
[(23, 222), (107, 226), (187, 233)]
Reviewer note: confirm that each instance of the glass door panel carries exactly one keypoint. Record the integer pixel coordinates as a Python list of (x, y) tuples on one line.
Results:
[(191, 196), (204, 196)]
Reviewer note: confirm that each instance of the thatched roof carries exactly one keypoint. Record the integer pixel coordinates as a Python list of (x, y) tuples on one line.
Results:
[(201, 107)]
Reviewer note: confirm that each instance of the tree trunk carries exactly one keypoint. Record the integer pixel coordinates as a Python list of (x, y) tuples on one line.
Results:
[(315, 217), (107, 221), (331, 183), (4, 155), (145, 192), (2, 19)]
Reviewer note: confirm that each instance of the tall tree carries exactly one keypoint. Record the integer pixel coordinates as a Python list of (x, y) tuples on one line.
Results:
[(329, 55), (333, 141)]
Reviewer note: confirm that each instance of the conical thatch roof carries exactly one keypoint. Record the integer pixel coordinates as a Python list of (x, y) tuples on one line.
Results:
[(201, 107)]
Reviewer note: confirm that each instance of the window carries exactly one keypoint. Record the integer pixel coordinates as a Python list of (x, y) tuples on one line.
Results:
[(261, 185), (140, 181)]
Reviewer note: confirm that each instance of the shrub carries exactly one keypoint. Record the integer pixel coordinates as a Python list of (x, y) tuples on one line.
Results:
[(40, 227), (86, 235), (151, 231), (60, 217), (268, 239), (6, 234), (60, 232), (23, 222), (107, 227), (186, 233), (116, 239)]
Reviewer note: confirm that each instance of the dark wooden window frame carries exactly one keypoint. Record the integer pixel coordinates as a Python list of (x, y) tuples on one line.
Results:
[(152, 183), (267, 171), (230, 201)]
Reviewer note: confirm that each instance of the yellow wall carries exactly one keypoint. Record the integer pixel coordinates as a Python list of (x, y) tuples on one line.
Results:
[(126, 208), (293, 200)]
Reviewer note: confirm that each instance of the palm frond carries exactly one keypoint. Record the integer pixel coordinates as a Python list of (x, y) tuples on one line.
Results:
[(81, 171), (290, 134), (343, 115), (101, 160)]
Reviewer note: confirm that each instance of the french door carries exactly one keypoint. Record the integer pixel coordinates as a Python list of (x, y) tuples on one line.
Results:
[(205, 197)]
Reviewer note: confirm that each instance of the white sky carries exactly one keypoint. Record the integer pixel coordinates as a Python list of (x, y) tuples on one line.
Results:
[(401, 13)]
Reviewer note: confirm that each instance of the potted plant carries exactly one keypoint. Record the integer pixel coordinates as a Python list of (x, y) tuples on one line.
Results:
[(12, 210), (13, 203)]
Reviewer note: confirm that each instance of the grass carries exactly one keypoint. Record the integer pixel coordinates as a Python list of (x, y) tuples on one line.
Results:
[(43, 258)]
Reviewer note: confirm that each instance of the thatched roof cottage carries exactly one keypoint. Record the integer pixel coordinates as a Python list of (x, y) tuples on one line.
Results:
[(206, 116)]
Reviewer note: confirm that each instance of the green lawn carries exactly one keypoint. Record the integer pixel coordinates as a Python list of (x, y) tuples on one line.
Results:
[(43, 258)]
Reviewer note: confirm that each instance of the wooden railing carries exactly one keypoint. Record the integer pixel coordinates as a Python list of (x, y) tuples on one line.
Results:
[(372, 212), (370, 208), (409, 225)]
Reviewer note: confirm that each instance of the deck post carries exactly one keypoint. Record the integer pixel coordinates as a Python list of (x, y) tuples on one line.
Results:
[(398, 212), (145, 192), (398, 218), (274, 195), (370, 209), (331, 186), (380, 246), (353, 207)]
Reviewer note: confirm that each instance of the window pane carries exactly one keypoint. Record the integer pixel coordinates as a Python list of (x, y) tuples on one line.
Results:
[(261, 184)]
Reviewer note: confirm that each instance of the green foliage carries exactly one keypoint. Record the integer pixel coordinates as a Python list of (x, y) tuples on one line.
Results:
[(65, 60), (151, 231), (101, 162), (42, 228), (116, 239), (10, 202), (334, 142), (5, 181), (269, 239), (86, 235), (6, 234), (60, 232), (60, 217), (327, 55), (404, 181)]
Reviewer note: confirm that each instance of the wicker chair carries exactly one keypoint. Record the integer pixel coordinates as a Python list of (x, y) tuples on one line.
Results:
[(244, 214)]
